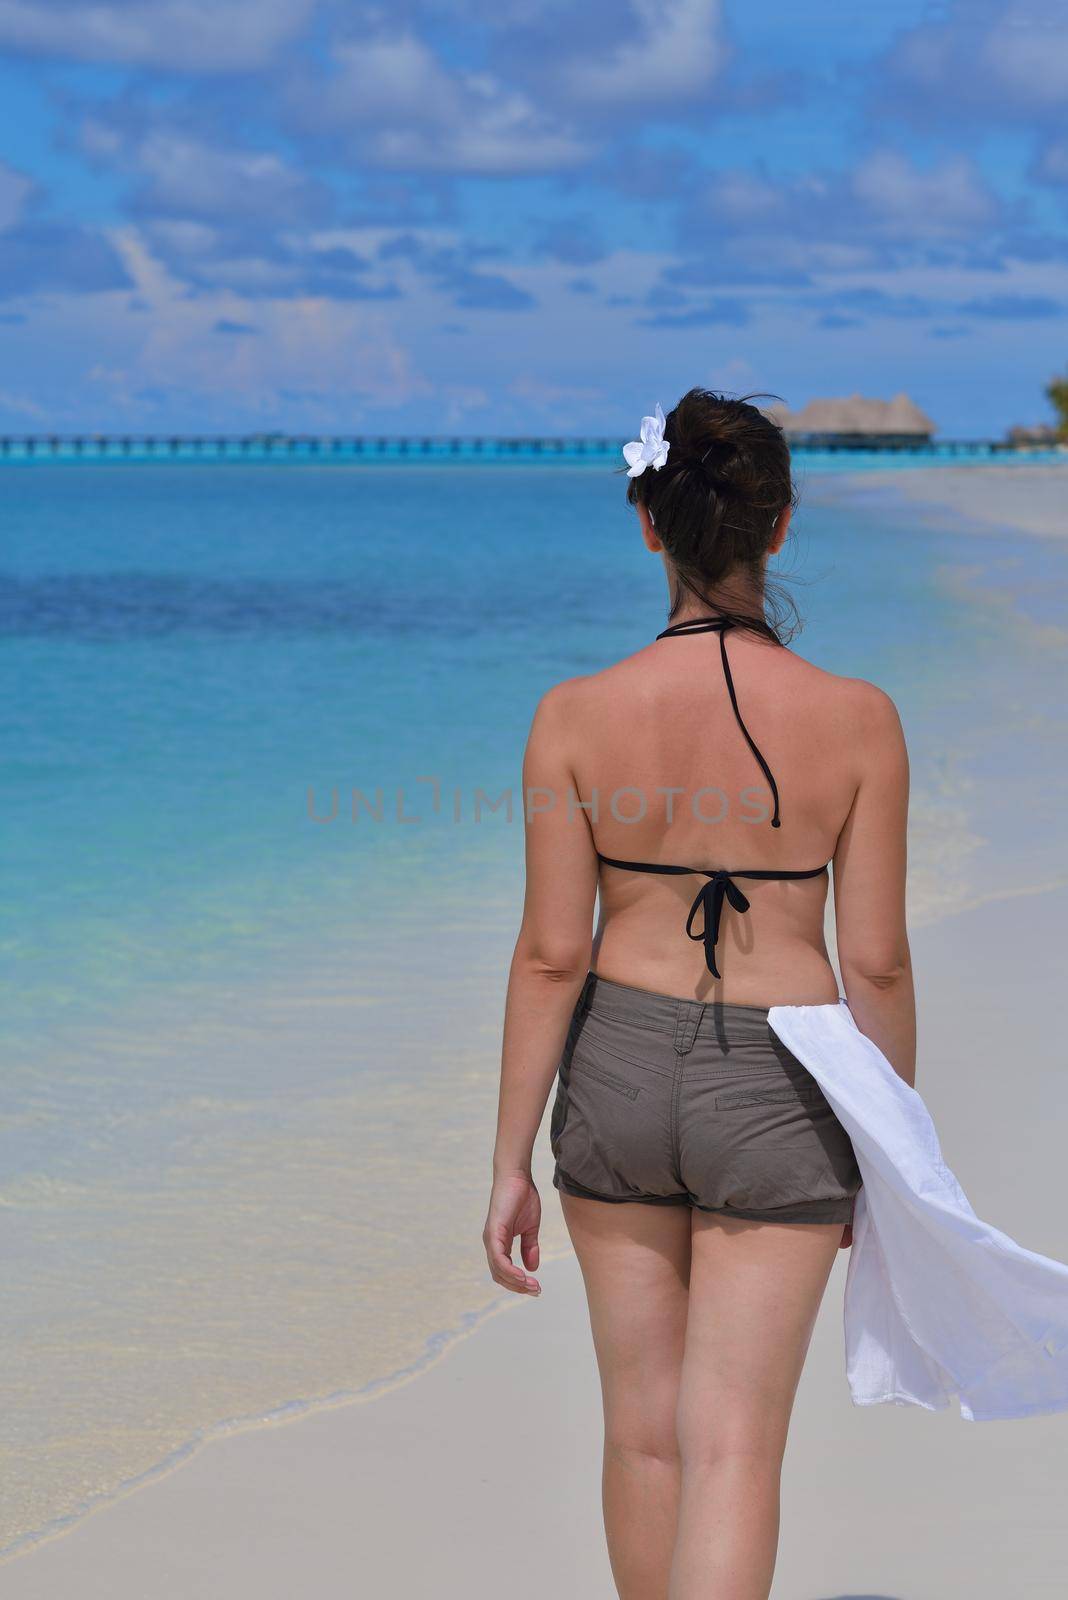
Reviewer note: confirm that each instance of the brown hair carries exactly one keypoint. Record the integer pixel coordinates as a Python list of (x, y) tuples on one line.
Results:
[(716, 500)]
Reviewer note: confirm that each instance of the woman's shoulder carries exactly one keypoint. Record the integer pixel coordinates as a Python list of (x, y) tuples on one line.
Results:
[(567, 705), (856, 699), (868, 707), (570, 711), (855, 715), (588, 688)]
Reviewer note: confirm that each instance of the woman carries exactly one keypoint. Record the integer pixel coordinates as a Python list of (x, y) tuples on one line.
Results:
[(705, 1180)]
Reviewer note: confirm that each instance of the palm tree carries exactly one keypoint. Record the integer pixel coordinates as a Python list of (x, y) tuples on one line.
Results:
[(1057, 395)]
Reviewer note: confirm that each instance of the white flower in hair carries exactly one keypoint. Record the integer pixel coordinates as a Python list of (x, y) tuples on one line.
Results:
[(651, 450)]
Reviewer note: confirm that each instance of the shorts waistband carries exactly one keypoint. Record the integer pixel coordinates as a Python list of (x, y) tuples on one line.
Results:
[(665, 1013)]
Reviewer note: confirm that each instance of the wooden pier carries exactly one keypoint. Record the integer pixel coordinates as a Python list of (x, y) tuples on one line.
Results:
[(263, 446), (356, 447)]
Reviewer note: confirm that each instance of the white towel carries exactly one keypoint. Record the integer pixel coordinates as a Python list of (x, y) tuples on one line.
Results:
[(937, 1303)]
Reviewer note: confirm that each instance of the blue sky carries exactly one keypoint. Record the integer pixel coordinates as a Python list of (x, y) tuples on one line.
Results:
[(526, 216)]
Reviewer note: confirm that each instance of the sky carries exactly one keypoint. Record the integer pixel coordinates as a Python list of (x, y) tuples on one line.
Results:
[(526, 216)]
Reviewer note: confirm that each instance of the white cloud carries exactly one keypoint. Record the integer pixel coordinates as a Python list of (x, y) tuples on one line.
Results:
[(903, 199), (995, 59), (463, 400), (333, 354), (669, 51), (205, 255), (831, 221), (1026, 51), (184, 35), (15, 189), (546, 396), (185, 174), (401, 107), (22, 405), (744, 197), (1052, 165)]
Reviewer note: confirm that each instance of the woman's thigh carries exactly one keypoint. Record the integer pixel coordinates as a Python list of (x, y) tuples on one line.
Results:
[(755, 1290), (635, 1261)]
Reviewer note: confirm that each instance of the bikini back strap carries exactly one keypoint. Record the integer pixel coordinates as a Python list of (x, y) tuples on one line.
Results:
[(650, 866), (708, 901), (764, 874)]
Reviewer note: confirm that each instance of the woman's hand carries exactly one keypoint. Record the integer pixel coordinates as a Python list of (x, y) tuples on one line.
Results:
[(514, 1208)]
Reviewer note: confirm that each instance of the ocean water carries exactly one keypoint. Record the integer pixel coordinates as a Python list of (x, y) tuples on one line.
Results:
[(260, 728)]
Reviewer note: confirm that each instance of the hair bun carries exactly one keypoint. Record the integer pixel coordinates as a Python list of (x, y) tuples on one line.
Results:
[(716, 462), (719, 458)]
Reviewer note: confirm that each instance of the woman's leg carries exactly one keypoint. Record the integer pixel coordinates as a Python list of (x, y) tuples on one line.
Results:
[(635, 1261), (755, 1289)]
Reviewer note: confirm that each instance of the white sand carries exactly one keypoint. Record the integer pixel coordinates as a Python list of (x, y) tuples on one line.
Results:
[(479, 1479), (1013, 497)]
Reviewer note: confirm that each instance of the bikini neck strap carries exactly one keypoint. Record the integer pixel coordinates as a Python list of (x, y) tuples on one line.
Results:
[(721, 625)]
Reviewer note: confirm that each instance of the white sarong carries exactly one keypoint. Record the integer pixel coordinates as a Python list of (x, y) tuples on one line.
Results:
[(937, 1303)]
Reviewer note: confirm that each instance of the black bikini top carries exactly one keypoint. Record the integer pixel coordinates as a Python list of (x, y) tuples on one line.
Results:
[(720, 886)]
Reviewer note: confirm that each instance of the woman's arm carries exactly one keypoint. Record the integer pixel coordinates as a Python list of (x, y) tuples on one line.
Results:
[(869, 888), (549, 967)]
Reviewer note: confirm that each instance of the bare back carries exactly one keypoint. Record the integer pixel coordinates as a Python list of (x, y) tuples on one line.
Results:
[(666, 776)]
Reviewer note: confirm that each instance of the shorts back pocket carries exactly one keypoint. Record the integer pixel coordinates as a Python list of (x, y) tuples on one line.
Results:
[(593, 1069), (801, 1094), (611, 1039)]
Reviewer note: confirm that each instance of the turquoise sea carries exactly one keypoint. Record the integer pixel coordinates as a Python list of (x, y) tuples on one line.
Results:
[(251, 1021)]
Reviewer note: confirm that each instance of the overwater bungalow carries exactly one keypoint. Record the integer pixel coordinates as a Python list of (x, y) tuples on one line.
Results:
[(856, 423)]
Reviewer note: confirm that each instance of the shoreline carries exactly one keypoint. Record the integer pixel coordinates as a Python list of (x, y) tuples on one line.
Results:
[(438, 1345), (238, 1470), (986, 494)]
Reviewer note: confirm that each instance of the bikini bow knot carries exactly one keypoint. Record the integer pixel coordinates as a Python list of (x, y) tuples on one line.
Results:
[(709, 902)]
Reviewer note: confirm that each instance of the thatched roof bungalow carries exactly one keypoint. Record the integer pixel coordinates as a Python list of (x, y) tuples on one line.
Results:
[(855, 420)]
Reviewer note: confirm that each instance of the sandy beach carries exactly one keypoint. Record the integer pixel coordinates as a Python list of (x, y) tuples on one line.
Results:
[(996, 496), (480, 1476)]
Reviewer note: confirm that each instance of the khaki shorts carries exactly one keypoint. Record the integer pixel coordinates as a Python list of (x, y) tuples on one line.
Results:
[(675, 1102)]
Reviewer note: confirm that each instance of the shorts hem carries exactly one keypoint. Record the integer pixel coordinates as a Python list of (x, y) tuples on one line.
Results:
[(569, 1186), (838, 1215)]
